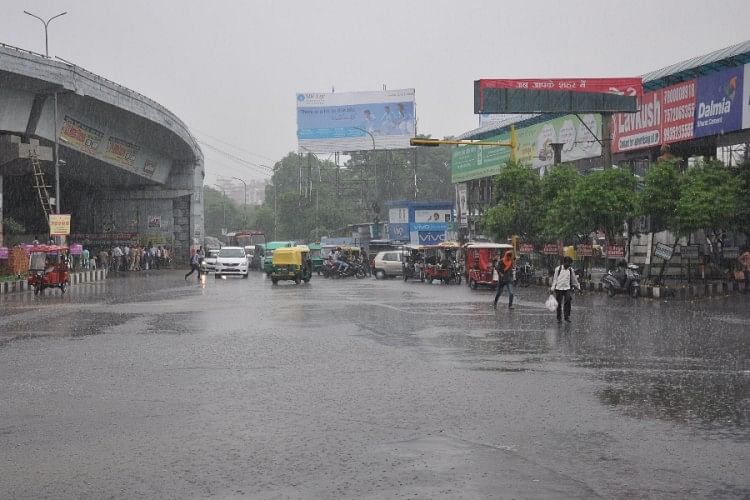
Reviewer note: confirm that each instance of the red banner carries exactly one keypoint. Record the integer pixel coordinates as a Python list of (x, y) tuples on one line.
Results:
[(550, 249), (678, 108), (584, 250), (615, 251), (621, 86), (638, 130), (525, 248)]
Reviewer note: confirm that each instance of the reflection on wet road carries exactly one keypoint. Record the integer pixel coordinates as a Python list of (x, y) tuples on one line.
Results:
[(150, 385)]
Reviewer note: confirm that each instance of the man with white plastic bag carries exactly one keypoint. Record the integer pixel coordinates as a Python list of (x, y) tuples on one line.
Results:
[(563, 282)]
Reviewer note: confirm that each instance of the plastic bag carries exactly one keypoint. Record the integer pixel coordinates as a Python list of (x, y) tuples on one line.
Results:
[(551, 303)]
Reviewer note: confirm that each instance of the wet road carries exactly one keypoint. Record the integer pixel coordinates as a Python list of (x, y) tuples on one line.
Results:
[(148, 386)]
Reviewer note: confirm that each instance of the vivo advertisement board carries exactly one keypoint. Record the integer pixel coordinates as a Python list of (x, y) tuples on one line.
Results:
[(431, 237), (354, 121), (718, 103), (398, 231)]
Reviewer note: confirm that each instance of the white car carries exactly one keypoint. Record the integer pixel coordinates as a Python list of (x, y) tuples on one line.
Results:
[(209, 261), (231, 261), (387, 263)]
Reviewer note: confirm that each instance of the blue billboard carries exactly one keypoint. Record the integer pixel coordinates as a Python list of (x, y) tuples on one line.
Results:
[(718, 104), (431, 237), (329, 123), (398, 232)]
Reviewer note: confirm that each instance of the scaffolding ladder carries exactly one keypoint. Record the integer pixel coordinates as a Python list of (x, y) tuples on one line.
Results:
[(40, 184)]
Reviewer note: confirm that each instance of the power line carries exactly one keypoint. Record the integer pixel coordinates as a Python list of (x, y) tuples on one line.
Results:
[(238, 159), (232, 145)]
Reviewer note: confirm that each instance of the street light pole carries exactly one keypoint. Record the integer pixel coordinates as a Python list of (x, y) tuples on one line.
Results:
[(244, 207), (46, 24), (223, 204), (375, 167)]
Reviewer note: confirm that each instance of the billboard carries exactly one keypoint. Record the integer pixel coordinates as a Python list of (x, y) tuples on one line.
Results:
[(330, 123), (620, 86), (718, 105), (534, 143), (432, 215), (475, 162), (59, 224), (641, 129), (678, 108), (746, 97)]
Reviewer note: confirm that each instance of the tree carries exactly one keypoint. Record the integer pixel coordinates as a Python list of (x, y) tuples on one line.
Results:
[(709, 201), (517, 211), (561, 218), (741, 219), (658, 199), (604, 200)]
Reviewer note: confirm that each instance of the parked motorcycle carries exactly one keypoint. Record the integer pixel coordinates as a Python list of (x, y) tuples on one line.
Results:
[(626, 279)]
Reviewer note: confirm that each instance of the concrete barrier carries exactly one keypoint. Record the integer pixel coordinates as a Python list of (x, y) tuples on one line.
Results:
[(21, 285)]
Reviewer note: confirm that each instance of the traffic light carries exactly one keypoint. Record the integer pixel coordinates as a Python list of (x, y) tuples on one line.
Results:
[(424, 142)]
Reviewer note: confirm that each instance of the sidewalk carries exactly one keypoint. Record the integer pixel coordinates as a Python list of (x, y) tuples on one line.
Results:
[(20, 285)]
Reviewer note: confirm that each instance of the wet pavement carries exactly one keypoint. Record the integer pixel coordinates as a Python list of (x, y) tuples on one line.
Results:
[(150, 386)]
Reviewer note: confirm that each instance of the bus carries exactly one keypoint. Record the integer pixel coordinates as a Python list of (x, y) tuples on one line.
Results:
[(247, 239)]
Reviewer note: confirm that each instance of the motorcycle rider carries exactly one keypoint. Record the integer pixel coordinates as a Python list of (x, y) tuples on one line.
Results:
[(340, 258)]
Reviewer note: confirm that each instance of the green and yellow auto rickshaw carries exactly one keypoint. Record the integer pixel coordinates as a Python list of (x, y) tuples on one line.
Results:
[(316, 256), (268, 251), (291, 263)]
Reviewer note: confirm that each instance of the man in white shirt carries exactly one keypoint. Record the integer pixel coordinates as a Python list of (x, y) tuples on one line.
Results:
[(117, 257), (563, 281)]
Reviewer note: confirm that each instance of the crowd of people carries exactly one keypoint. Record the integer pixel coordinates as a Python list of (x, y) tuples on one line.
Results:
[(124, 258)]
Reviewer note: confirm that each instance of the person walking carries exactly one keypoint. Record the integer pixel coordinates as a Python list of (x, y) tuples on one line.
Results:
[(117, 255), (195, 264), (745, 261), (563, 281), (504, 270)]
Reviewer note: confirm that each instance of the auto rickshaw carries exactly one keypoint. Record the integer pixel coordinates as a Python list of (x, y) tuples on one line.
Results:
[(316, 257), (268, 250), (413, 262), (291, 263), (48, 268), (479, 258), (443, 266)]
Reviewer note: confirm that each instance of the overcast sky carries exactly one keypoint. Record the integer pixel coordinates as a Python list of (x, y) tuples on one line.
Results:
[(231, 69)]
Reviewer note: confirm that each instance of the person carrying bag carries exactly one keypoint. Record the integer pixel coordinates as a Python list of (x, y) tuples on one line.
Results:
[(563, 281)]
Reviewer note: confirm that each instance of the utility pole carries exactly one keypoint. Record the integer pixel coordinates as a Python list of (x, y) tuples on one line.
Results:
[(244, 206), (223, 205)]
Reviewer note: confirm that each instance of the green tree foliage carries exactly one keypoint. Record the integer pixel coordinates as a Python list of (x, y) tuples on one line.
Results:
[(604, 200), (516, 212), (660, 194), (560, 215), (741, 220), (709, 199), (313, 197)]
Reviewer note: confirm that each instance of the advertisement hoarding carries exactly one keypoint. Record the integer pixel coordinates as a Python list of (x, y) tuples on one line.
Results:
[(718, 106), (534, 142), (436, 215), (678, 109), (330, 123), (80, 136), (399, 231), (638, 130), (461, 204), (746, 97), (622, 86), (431, 237), (475, 162), (398, 215), (59, 224), (526, 248)]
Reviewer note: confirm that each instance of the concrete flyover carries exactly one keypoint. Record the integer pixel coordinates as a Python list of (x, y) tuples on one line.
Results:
[(132, 170)]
